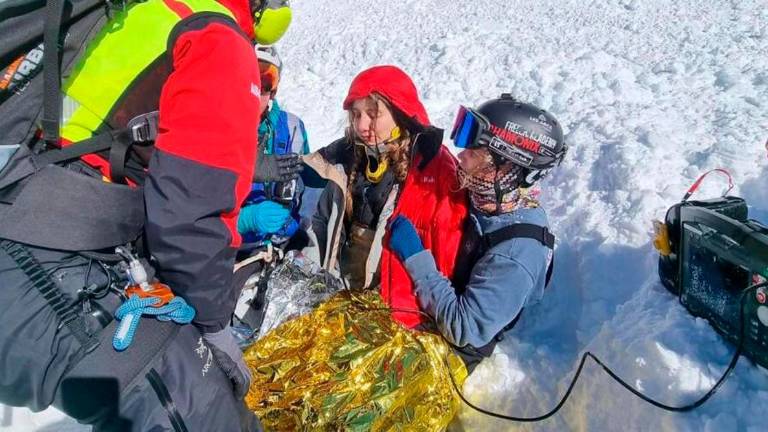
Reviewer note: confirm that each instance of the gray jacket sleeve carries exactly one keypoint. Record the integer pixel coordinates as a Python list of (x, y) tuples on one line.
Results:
[(498, 288)]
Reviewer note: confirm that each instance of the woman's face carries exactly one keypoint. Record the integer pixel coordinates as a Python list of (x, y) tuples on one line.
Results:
[(372, 120), (475, 161)]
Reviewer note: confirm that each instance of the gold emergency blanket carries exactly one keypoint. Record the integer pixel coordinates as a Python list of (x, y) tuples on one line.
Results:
[(348, 366)]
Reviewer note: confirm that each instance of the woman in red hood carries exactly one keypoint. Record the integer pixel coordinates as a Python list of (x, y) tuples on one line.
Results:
[(391, 162)]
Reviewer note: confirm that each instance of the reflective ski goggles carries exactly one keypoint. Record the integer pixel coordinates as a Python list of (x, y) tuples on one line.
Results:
[(270, 77), (473, 130), (468, 128)]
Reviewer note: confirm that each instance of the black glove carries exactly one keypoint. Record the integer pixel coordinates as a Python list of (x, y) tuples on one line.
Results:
[(229, 357), (277, 168), (428, 144)]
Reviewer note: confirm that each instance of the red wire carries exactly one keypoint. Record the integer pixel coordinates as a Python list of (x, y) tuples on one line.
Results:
[(697, 183)]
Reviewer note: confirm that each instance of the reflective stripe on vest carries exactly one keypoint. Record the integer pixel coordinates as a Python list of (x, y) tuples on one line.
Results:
[(123, 53)]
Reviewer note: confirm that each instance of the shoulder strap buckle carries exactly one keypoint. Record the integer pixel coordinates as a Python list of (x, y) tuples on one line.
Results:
[(144, 127), (547, 238)]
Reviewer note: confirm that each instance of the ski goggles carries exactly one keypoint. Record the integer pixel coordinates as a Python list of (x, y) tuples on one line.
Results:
[(270, 77), (468, 128), (472, 130)]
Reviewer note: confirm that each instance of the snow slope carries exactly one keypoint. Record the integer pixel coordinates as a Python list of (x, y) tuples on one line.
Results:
[(651, 94)]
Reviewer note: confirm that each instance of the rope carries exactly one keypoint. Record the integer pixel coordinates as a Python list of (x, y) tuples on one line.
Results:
[(130, 312)]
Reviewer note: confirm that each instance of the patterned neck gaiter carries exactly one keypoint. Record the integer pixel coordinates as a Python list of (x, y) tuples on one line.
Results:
[(482, 192)]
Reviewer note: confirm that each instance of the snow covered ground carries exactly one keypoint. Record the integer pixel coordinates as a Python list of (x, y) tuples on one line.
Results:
[(652, 94)]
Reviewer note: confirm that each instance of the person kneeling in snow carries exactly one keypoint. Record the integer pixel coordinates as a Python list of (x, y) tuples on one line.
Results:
[(508, 146)]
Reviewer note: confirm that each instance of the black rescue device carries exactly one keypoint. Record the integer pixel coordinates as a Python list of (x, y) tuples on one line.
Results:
[(719, 257), (710, 251), (668, 234)]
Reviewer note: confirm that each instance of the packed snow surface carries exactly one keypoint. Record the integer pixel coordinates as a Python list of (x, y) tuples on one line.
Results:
[(651, 95)]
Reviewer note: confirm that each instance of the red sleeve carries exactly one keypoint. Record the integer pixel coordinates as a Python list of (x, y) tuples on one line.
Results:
[(452, 210), (210, 105), (202, 166)]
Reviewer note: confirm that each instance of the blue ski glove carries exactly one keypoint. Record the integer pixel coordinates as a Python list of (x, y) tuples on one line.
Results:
[(266, 217), (404, 239)]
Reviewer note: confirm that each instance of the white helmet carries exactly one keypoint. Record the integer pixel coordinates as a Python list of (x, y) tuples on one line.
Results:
[(268, 53)]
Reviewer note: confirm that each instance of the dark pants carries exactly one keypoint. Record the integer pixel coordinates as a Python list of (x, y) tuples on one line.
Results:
[(166, 379)]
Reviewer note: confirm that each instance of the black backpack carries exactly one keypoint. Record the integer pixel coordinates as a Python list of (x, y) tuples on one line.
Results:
[(49, 37), (42, 41), (29, 99)]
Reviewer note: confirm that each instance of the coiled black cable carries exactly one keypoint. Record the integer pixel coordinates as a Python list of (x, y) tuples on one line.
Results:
[(685, 408)]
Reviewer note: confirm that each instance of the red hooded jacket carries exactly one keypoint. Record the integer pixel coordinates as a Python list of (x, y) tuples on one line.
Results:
[(430, 197)]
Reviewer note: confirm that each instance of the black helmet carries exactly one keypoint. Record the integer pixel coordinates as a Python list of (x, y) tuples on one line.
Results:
[(535, 135), (514, 131)]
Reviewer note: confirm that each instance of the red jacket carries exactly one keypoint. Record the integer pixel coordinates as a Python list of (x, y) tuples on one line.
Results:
[(431, 199), (430, 196), (203, 164), (201, 168)]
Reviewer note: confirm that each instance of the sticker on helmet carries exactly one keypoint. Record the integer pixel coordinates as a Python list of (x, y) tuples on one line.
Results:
[(516, 139), (542, 121), (540, 138), (510, 151)]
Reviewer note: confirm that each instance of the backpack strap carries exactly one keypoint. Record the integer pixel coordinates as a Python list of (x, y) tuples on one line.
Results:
[(523, 230), (54, 14), (282, 139), (473, 355), (141, 129), (94, 144)]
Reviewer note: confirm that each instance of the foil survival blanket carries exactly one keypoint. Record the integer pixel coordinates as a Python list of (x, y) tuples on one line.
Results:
[(348, 366)]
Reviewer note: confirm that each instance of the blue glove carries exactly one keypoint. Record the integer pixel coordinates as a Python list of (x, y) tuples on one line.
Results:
[(404, 239), (266, 217)]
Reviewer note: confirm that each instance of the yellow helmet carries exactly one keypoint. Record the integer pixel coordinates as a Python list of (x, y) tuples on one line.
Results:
[(271, 19)]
